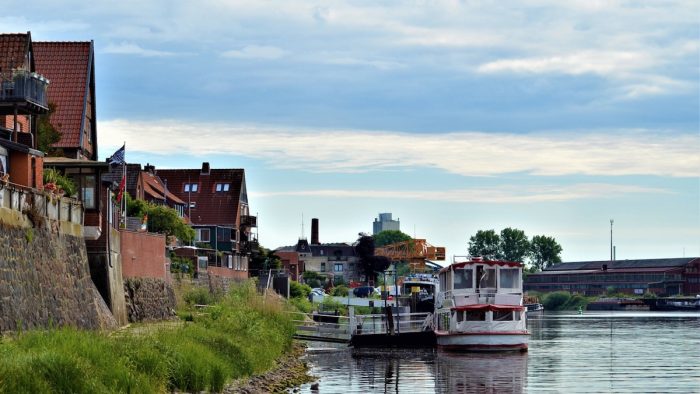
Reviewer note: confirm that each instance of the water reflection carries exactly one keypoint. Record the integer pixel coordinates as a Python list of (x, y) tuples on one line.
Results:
[(594, 352), (481, 372)]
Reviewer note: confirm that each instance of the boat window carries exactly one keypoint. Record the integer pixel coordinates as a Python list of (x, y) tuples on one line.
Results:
[(476, 315), (509, 278), (516, 315), (460, 316), (502, 315), (464, 278), (486, 277)]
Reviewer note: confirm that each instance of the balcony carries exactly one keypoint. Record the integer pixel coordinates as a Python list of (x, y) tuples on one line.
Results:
[(24, 91), (249, 221)]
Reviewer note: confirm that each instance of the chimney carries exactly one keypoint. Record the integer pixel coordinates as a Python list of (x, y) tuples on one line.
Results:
[(205, 168), (314, 232), (149, 168)]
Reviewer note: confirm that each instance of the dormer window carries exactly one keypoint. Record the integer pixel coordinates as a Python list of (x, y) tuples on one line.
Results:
[(191, 187), (222, 187)]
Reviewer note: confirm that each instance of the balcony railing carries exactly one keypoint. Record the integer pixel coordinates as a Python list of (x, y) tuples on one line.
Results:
[(249, 221), (25, 86)]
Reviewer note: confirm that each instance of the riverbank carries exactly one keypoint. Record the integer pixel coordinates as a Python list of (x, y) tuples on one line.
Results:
[(244, 334), (290, 371)]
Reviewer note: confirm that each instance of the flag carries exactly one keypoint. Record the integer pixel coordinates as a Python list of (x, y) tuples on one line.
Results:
[(120, 194), (117, 157)]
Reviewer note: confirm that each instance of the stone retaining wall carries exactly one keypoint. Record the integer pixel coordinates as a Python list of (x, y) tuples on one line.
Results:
[(45, 281), (149, 299)]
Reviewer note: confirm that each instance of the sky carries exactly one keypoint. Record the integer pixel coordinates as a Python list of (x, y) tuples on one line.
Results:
[(455, 116)]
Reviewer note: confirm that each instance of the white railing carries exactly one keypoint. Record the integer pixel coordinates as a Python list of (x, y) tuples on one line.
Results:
[(47, 205)]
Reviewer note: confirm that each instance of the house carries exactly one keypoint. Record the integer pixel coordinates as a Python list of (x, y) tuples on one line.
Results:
[(217, 208), (23, 97), (71, 68), (144, 184), (337, 261), (670, 276)]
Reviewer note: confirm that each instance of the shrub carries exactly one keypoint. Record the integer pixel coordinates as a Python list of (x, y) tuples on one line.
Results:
[(340, 291), (298, 290), (199, 296), (556, 300)]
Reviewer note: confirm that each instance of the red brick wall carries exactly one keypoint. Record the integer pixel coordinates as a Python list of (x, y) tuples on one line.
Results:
[(21, 170), (143, 255), (227, 273), (290, 262)]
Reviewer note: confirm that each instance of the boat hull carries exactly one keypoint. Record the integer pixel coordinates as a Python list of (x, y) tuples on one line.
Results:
[(483, 341)]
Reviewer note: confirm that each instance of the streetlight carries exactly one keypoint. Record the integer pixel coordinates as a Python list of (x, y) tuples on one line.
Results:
[(611, 239)]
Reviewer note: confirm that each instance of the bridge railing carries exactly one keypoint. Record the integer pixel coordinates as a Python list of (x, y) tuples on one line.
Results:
[(322, 327)]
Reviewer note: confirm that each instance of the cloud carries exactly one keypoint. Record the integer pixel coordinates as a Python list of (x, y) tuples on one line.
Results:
[(601, 153), (256, 52), (127, 48), (496, 195)]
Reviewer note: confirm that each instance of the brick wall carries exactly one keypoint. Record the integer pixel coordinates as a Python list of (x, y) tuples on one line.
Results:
[(143, 255)]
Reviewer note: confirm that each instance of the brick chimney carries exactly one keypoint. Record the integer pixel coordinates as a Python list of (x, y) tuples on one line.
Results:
[(314, 232), (205, 168)]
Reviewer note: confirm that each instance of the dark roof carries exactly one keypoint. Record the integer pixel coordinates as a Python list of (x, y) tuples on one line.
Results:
[(13, 52), (68, 65), (155, 187), (330, 249), (210, 207), (620, 264)]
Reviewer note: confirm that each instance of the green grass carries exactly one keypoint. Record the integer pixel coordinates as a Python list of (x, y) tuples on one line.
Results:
[(241, 335)]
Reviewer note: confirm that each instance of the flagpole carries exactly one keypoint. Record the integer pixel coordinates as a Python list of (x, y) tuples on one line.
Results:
[(124, 198)]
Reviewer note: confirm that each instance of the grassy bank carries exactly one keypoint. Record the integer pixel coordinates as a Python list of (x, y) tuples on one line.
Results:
[(239, 336)]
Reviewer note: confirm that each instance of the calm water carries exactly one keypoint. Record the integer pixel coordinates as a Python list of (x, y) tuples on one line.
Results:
[(605, 352)]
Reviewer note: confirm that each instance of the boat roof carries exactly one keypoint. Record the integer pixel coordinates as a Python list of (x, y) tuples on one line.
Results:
[(479, 261)]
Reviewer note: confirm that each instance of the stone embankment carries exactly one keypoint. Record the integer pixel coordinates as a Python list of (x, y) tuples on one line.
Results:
[(291, 371), (45, 281), (149, 299)]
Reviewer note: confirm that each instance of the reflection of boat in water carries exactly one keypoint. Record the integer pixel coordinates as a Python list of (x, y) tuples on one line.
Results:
[(479, 306), (481, 372), (421, 288)]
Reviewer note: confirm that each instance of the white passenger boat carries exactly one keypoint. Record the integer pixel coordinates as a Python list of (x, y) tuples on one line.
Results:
[(479, 306)]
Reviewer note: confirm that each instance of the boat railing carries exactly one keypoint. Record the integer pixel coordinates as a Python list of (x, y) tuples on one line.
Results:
[(402, 323)]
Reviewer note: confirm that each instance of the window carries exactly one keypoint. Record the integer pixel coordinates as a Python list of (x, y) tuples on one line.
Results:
[(203, 235), (338, 267), (485, 277), (464, 278), (223, 234), (502, 315), (191, 187), (323, 267), (88, 191), (193, 205), (476, 315), (509, 278), (222, 187)]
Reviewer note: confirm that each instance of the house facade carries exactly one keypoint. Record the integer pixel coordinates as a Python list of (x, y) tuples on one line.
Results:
[(23, 97), (71, 68), (216, 202), (336, 261), (663, 277)]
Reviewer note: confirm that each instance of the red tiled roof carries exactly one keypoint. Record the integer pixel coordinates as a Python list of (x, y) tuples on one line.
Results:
[(13, 51), (154, 187), (67, 65), (211, 207)]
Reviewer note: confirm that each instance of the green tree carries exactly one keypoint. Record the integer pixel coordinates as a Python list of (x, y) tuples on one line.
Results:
[(545, 251), (485, 243), (47, 135), (514, 245), (161, 219), (388, 237)]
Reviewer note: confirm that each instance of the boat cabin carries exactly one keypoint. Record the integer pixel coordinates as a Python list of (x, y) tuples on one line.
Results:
[(477, 281)]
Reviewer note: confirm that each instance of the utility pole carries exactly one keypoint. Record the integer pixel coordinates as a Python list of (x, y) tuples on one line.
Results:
[(612, 257)]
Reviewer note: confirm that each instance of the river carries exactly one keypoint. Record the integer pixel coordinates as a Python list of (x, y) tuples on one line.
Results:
[(596, 352)]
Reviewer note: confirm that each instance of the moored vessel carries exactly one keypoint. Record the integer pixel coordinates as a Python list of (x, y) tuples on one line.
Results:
[(479, 306)]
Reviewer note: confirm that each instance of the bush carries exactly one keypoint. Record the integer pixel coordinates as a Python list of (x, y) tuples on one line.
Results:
[(298, 290), (199, 296), (556, 300), (340, 291)]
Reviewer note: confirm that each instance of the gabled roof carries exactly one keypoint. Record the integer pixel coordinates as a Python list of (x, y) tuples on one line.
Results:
[(209, 206), (620, 264), (13, 52), (69, 67), (154, 187)]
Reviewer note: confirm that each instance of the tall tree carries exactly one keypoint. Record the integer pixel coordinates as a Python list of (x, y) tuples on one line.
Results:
[(485, 243), (514, 245), (545, 251), (388, 237)]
